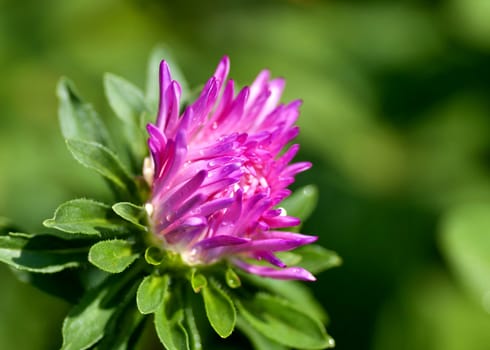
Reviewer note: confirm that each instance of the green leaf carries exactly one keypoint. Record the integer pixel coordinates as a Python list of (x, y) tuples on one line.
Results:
[(85, 218), (128, 103), (220, 310), (259, 341), (158, 54), (41, 253), (198, 281), (190, 321), (169, 319), (99, 158), (125, 99), (301, 203), (78, 119), (316, 259), (150, 293), (465, 240), (86, 323), (279, 320), (295, 292), (131, 212), (124, 327), (113, 256)]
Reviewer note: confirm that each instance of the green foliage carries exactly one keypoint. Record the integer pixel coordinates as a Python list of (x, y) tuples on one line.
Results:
[(97, 157), (284, 323), (113, 256), (170, 321), (86, 323), (219, 307), (42, 254), (465, 240), (150, 293), (85, 218), (117, 271), (78, 119)]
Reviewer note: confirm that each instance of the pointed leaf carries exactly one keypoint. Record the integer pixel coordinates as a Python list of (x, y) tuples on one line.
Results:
[(150, 293), (284, 323), (220, 310), (258, 341), (465, 241), (113, 256), (41, 253), (125, 99), (131, 212), (99, 158), (85, 218), (301, 203), (316, 259), (295, 292), (198, 281), (124, 326), (169, 320), (78, 119), (86, 323), (128, 103)]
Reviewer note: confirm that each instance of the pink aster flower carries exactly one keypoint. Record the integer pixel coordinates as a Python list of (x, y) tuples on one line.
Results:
[(218, 174)]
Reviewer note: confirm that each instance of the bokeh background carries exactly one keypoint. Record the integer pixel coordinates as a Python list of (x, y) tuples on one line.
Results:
[(396, 119)]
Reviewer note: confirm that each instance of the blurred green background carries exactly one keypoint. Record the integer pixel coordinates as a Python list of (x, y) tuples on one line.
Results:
[(396, 119)]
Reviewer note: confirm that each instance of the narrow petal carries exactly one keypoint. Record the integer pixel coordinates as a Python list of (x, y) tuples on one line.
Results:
[(290, 273)]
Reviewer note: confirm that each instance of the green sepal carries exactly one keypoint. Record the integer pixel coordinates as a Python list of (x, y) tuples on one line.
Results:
[(316, 259), (170, 319), (219, 308), (154, 256), (112, 256), (198, 281), (99, 158), (87, 321), (86, 218), (78, 119), (44, 254), (128, 103), (232, 279), (301, 203), (131, 212), (284, 323), (150, 293)]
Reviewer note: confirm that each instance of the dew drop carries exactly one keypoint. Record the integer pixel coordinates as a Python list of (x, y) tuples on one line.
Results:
[(149, 209)]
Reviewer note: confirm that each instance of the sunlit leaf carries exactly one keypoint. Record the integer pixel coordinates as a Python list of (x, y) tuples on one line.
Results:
[(150, 293), (99, 158), (169, 320), (465, 239), (316, 259), (284, 323), (220, 310), (85, 218), (130, 212), (41, 253), (86, 323), (78, 119), (113, 256)]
